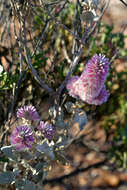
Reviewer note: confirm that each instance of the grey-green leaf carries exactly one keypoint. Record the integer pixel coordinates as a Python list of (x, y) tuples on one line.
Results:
[(9, 152), (6, 178), (80, 117), (46, 148), (25, 185), (29, 185)]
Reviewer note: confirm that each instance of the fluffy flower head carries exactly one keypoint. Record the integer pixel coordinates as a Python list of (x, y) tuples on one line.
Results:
[(22, 137), (95, 73), (28, 113), (47, 129), (90, 86)]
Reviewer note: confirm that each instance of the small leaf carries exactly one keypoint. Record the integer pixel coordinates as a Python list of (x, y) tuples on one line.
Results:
[(52, 112), (42, 171), (4, 159), (61, 158), (16, 172), (6, 178), (79, 121), (39, 166), (62, 142), (25, 185), (19, 184), (29, 185), (46, 148), (80, 118), (9, 151), (26, 155), (60, 124), (39, 188), (69, 107)]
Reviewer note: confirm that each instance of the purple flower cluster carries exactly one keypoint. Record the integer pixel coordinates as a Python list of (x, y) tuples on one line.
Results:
[(90, 86), (46, 129), (22, 137), (28, 113)]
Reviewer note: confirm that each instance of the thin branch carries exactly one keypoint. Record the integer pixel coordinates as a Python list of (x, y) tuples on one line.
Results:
[(53, 3), (29, 61), (42, 36), (76, 26), (3, 138), (65, 52), (76, 37), (123, 3)]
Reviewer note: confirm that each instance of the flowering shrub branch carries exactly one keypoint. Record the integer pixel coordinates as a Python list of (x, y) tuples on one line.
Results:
[(36, 143), (90, 85)]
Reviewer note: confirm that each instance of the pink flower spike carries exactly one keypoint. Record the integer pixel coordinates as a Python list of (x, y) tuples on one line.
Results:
[(28, 113), (90, 86), (22, 137), (95, 72), (100, 99)]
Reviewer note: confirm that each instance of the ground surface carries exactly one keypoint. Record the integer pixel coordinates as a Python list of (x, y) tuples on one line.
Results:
[(88, 167)]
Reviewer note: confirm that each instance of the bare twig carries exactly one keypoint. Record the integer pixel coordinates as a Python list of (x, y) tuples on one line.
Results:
[(29, 61), (42, 36), (76, 26), (123, 3), (3, 138), (65, 52), (22, 14), (76, 37)]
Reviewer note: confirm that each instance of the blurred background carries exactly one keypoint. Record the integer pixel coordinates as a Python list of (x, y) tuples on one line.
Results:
[(97, 160)]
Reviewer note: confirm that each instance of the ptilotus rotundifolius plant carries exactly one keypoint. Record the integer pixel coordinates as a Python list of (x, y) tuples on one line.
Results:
[(90, 86), (22, 137)]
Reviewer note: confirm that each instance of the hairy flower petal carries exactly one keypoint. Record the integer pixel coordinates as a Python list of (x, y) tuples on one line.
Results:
[(95, 72), (100, 99), (71, 86), (90, 86), (28, 112)]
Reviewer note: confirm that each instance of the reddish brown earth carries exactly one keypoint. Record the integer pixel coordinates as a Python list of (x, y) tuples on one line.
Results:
[(88, 168)]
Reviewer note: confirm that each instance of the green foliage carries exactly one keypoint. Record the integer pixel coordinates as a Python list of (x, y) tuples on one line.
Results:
[(118, 152), (6, 81), (39, 60), (108, 42)]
